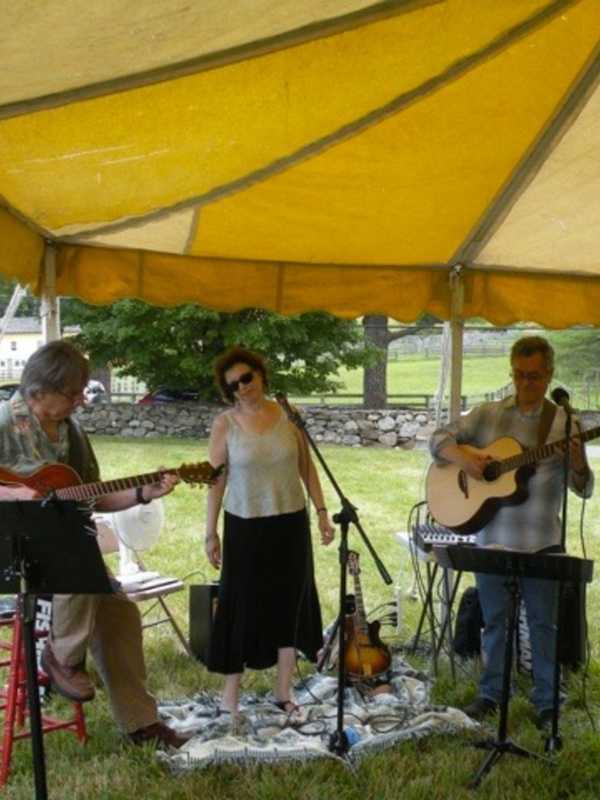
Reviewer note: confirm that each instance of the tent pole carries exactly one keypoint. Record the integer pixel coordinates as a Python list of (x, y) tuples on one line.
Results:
[(50, 305), (456, 341)]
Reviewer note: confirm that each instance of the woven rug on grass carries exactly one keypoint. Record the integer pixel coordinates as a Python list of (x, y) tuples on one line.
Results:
[(264, 733)]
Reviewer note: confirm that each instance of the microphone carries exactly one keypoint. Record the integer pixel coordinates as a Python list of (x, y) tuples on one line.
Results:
[(561, 398)]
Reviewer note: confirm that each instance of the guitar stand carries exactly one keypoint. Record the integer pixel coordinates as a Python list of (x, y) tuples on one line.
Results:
[(501, 745)]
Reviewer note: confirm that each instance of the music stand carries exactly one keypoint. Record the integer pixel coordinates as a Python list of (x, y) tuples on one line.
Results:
[(513, 564), (46, 547)]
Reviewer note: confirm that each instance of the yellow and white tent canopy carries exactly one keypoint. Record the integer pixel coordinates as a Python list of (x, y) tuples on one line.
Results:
[(333, 154)]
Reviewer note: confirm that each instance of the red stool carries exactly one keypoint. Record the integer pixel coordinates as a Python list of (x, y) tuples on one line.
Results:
[(13, 697)]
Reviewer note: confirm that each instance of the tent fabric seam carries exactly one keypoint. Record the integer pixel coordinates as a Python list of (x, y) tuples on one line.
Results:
[(21, 217), (302, 35), (548, 139), (344, 132)]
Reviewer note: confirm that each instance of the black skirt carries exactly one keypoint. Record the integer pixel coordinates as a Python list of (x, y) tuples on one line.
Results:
[(267, 594)]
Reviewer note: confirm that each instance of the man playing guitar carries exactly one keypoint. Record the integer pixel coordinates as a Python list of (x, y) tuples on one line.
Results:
[(532, 525), (36, 429)]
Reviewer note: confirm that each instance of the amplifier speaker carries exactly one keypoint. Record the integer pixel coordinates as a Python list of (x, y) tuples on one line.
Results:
[(203, 604)]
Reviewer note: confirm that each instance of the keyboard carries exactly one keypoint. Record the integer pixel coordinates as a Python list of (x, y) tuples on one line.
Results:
[(426, 536)]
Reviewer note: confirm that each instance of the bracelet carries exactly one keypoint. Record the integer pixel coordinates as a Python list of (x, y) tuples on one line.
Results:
[(320, 510), (139, 497)]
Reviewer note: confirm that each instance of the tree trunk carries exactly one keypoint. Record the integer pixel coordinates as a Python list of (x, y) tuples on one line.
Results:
[(375, 377)]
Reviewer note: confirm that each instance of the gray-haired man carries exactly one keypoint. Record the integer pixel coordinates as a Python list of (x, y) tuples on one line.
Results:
[(532, 526), (36, 428)]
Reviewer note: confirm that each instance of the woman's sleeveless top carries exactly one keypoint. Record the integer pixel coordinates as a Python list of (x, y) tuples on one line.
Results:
[(262, 470)]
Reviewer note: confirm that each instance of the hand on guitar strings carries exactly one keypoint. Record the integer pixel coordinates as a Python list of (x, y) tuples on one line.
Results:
[(467, 458), (577, 454), (168, 481)]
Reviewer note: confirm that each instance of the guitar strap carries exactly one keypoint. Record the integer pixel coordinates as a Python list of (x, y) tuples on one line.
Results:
[(546, 420), (81, 455)]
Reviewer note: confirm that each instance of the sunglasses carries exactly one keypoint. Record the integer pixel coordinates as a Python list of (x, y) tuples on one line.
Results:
[(245, 378)]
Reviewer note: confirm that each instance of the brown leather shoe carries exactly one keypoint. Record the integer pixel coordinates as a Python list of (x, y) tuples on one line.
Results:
[(72, 682), (159, 733)]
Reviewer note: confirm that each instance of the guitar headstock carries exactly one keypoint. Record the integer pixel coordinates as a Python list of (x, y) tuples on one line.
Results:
[(353, 565), (200, 473)]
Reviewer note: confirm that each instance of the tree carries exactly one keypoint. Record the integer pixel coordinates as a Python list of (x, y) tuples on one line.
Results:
[(177, 346), (378, 337)]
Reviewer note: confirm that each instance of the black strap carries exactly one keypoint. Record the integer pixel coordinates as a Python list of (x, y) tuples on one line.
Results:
[(81, 455), (546, 420)]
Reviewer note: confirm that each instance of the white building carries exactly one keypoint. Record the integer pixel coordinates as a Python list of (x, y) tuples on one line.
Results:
[(21, 339)]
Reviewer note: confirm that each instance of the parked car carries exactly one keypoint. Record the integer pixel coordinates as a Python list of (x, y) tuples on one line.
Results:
[(166, 395), (7, 390)]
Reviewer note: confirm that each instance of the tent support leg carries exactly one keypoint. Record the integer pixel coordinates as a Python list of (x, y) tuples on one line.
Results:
[(50, 305), (456, 342)]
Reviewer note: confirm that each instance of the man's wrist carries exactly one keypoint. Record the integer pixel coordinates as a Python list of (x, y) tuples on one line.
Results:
[(139, 497)]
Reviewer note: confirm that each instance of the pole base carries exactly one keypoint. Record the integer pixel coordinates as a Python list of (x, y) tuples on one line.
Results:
[(338, 743), (497, 749)]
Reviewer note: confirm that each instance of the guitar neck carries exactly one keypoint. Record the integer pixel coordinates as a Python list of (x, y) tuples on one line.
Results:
[(87, 491), (535, 454), (359, 614)]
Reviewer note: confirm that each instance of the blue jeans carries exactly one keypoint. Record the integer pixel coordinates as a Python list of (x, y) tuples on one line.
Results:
[(540, 598)]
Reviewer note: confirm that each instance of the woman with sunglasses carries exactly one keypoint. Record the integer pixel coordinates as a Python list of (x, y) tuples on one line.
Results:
[(268, 604)]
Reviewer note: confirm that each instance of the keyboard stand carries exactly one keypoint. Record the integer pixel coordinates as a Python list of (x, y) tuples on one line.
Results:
[(450, 589), (450, 584)]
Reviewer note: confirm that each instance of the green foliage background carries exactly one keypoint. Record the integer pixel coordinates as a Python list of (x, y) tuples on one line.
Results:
[(177, 346)]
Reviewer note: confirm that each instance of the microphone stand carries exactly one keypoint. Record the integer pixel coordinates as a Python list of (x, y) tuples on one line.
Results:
[(554, 741), (338, 742)]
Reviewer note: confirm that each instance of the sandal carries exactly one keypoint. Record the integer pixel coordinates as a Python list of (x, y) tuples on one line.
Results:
[(288, 707)]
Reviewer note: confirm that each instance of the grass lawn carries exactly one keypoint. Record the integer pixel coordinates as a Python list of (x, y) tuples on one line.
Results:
[(416, 375), (384, 485)]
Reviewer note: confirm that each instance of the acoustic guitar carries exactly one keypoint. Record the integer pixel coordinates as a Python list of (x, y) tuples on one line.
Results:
[(466, 504), (63, 483), (365, 655)]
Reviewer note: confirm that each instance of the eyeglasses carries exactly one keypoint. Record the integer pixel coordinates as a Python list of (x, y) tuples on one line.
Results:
[(532, 377), (71, 396), (245, 378)]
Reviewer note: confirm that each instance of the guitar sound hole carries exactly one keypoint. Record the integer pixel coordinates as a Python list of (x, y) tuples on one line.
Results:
[(492, 471)]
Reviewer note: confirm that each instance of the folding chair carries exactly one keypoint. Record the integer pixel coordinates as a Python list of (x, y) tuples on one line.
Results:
[(128, 532)]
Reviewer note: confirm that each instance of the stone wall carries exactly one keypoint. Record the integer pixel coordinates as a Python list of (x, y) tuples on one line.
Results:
[(354, 427)]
